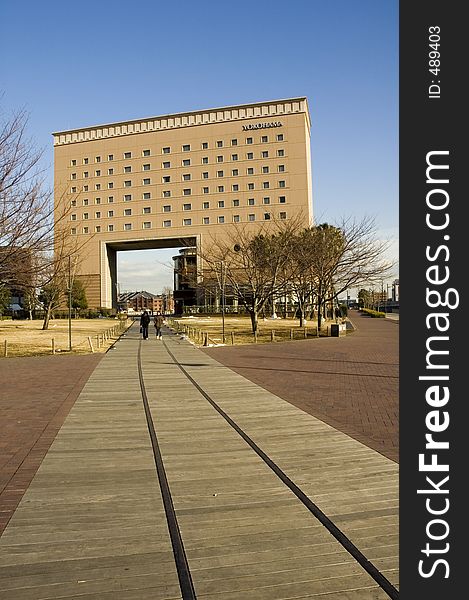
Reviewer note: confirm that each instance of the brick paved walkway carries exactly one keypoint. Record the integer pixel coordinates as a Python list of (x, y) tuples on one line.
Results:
[(36, 395), (350, 383)]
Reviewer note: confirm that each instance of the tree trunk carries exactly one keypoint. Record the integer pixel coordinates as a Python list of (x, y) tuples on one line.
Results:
[(253, 315), (301, 309), (302, 318), (47, 317), (319, 314)]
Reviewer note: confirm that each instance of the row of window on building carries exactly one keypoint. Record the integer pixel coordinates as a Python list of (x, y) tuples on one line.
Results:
[(167, 165), (184, 148), (235, 187), (266, 200), (185, 222), (187, 162)]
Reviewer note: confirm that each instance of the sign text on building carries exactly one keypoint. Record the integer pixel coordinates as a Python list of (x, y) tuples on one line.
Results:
[(261, 125)]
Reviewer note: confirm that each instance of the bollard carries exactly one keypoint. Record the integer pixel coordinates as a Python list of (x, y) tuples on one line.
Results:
[(5, 348), (206, 340), (91, 344), (53, 345), (305, 333), (272, 335), (291, 334), (232, 338)]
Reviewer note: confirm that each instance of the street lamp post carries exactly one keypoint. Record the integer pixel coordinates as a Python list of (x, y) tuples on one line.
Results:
[(221, 283), (223, 299), (69, 304)]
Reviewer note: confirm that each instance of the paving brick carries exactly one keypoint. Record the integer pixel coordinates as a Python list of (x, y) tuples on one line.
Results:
[(36, 395)]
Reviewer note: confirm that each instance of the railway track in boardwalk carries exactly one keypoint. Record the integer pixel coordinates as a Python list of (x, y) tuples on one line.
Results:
[(184, 374)]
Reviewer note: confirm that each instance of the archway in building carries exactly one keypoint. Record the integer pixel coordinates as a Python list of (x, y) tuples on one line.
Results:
[(151, 266)]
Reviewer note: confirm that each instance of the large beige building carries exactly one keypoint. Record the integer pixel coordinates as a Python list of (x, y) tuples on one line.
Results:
[(176, 180)]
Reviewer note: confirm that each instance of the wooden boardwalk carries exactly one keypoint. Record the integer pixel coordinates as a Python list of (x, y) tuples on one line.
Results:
[(92, 524)]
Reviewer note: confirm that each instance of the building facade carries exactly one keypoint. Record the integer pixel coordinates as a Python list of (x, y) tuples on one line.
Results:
[(178, 180), (139, 301)]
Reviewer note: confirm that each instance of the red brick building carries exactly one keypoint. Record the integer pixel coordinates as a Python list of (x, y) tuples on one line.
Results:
[(140, 301)]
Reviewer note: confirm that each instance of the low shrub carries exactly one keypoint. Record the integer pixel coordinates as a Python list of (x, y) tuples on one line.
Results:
[(373, 313)]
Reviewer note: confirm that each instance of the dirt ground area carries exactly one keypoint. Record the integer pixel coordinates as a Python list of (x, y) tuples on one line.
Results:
[(27, 338)]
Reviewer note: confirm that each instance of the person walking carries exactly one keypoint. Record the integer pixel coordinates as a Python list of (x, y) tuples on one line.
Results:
[(144, 322), (158, 323)]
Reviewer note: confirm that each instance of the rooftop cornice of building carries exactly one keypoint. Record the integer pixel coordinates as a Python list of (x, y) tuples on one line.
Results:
[(268, 108)]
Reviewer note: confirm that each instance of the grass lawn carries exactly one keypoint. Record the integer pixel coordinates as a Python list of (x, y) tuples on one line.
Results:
[(26, 338), (238, 329)]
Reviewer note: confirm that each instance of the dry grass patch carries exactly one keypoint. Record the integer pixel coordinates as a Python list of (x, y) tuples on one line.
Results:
[(26, 338), (238, 329)]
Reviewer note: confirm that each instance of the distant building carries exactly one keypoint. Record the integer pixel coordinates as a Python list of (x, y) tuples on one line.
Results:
[(395, 290), (185, 279), (17, 275), (140, 301)]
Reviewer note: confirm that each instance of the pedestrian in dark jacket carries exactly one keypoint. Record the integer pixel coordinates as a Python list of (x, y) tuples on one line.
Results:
[(158, 322), (144, 322)]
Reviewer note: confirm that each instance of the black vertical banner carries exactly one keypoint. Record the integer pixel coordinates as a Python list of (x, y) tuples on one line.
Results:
[(434, 328)]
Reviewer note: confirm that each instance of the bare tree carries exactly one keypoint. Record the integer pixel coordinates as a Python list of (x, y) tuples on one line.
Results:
[(57, 275), (344, 256), (5, 299), (253, 262), (298, 272), (26, 208), (51, 296), (30, 300), (167, 294), (30, 231)]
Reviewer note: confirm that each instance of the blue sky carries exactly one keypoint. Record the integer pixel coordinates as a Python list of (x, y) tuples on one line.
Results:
[(73, 65)]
